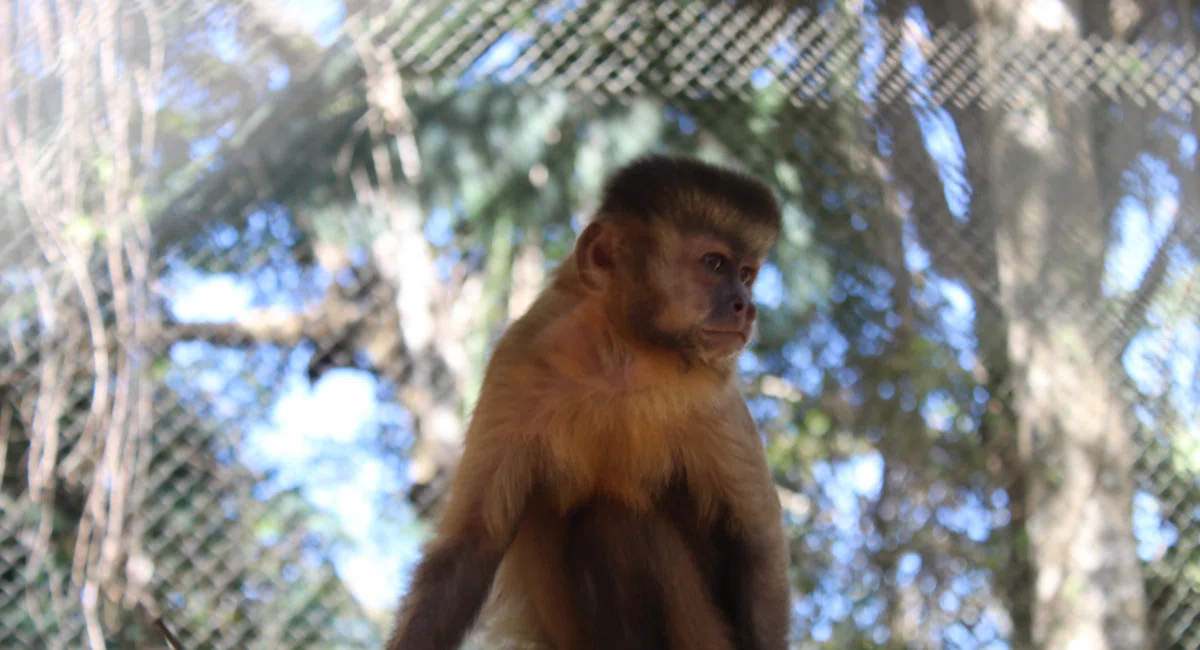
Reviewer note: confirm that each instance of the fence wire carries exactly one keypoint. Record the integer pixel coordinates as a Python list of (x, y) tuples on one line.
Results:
[(976, 373)]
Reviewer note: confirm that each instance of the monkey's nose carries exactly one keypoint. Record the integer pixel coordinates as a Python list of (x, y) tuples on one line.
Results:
[(739, 305)]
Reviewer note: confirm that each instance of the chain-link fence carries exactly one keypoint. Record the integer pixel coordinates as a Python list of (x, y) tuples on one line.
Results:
[(252, 257)]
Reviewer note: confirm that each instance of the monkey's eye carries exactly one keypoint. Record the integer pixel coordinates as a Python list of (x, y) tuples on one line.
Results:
[(747, 275), (714, 261)]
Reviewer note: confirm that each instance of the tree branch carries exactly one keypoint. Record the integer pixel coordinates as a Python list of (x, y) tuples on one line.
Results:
[(293, 43), (935, 224), (1134, 316), (267, 327)]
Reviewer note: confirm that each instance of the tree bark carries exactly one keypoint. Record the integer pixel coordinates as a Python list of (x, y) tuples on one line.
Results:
[(1074, 447)]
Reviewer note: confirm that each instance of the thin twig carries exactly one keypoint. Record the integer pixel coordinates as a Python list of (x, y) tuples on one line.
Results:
[(172, 640)]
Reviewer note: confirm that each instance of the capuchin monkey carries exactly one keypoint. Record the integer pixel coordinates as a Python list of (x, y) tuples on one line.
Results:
[(613, 492)]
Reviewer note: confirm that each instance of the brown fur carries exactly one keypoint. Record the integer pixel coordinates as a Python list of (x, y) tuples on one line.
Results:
[(613, 491)]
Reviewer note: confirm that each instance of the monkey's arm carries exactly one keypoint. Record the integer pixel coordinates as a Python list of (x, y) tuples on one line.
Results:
[(448, 590), (758, 549), (449, 587), (763, 619)]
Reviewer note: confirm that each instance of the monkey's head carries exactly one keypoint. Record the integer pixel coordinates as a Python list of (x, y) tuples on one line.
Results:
[(674, 251)]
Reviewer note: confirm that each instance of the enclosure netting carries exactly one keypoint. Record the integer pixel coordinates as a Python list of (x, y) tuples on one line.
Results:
[(955, 185)]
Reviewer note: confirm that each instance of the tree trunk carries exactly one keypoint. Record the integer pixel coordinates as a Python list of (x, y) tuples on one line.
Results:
[(1074, 448)]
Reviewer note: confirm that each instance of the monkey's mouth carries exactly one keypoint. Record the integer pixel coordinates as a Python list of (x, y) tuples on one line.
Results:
[(728, 336)]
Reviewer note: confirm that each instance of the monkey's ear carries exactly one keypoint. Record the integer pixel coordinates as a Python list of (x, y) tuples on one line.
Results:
[(595, 254)]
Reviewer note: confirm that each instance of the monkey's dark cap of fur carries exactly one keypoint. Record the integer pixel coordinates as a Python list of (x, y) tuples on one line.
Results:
[(679, 189)]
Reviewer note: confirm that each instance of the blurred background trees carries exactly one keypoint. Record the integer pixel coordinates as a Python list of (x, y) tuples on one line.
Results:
[(253, 255)]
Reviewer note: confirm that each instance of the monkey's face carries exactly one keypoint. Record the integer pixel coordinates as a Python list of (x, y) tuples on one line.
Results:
[(694, 295)]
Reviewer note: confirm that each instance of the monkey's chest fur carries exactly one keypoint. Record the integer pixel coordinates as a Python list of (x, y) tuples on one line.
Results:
[(631, 479), (629, 447)]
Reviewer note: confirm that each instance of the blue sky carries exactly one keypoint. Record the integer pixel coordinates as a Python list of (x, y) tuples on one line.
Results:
[(343, 409)]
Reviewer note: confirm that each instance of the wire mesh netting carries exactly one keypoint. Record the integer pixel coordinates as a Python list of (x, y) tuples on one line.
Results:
[(253, 256)]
